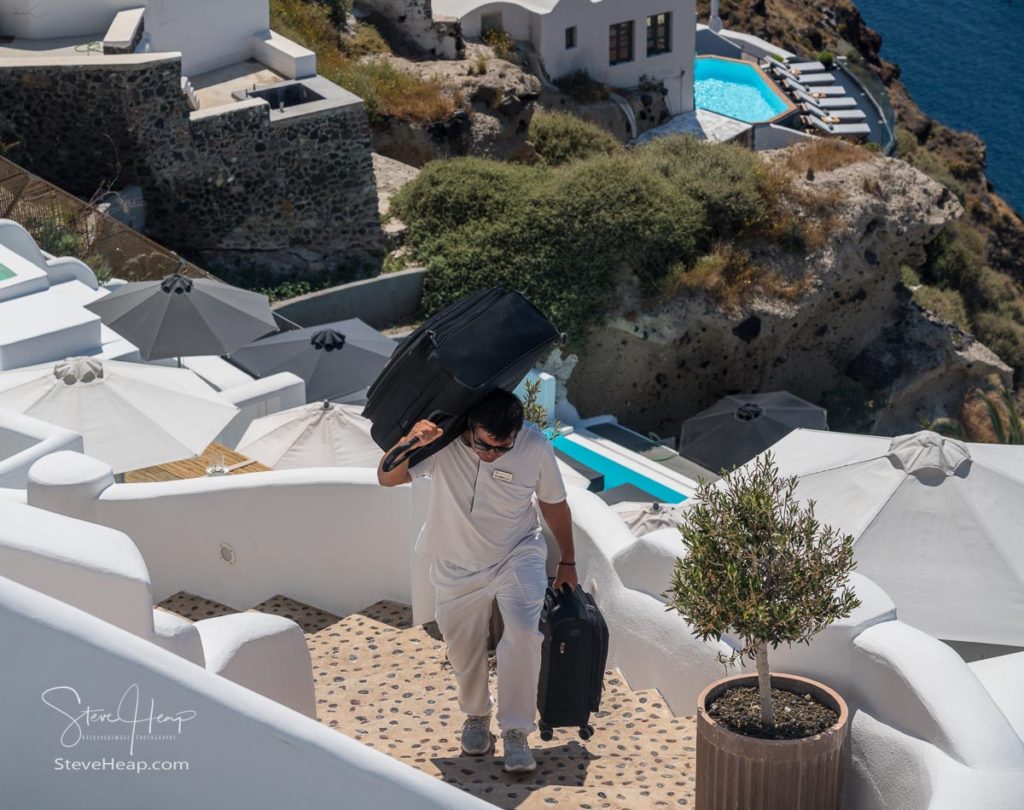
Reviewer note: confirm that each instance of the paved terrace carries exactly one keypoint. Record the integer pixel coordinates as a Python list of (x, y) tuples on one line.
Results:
[(388, 684), (215, 87)]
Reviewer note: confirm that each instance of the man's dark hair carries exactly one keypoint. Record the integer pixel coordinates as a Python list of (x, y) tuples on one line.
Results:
[(500, 413)]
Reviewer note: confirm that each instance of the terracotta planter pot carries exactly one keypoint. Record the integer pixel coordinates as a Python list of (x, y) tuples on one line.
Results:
[(735, 772)]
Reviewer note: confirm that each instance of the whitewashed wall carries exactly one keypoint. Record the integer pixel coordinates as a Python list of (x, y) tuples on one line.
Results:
[(332, 537), (242, 750), (43, 19), (24, 440), (208, 34), (592, 20)]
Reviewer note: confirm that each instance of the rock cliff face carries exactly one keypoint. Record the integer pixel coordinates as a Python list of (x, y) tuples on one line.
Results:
[(855, 333), (808, 26)]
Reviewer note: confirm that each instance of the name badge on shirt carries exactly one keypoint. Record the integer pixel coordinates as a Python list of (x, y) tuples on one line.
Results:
[(501, 475)]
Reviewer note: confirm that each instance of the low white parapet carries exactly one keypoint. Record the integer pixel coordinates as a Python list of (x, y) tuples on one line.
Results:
[(317, 535), (96, 569), (263, 652), (24, 440), (236, 747), (124, 32), (284, 56)]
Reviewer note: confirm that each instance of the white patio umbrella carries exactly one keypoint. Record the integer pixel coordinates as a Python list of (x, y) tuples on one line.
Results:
[(130, 415), (738, 427), (937, 523), (315, 435)]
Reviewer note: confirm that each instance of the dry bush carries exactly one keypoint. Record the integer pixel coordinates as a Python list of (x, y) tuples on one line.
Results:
[(386, 90), (823, 155), (731, 278), (802, 217)]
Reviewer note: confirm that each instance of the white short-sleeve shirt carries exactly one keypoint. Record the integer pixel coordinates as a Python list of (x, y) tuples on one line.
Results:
[(480, 511)]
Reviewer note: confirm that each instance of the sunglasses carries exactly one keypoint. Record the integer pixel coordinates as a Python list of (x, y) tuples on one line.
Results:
[(484, 447)]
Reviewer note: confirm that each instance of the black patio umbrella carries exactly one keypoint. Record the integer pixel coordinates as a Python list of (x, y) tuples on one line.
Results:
[(180, 316), (337, 360)]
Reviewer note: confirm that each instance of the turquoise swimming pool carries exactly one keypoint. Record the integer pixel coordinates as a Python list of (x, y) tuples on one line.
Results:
[(737, 89), (615, 473), (5, 273)]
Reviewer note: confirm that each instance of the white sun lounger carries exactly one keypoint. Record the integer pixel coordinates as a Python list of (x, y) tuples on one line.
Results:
[(803, 78), (838, 129), (805, 67), (838, 116), (833, 103), (817, 90)]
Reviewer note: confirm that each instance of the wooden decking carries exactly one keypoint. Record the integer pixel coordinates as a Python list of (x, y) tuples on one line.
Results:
[(196, 467)]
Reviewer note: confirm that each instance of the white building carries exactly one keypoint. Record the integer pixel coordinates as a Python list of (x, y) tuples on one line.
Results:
[(617, 43)]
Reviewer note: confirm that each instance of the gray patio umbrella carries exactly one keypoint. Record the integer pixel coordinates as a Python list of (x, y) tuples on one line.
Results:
[(337, 360), (180, 316), (738, 427)]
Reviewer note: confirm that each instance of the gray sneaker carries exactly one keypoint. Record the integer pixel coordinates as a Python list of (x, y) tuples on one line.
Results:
[(518, 756), (476, 736)]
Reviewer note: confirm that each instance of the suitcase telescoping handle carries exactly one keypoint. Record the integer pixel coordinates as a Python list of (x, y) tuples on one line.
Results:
[(397, 455)]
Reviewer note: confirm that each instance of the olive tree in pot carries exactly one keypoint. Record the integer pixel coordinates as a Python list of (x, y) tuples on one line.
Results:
[(761, 570)]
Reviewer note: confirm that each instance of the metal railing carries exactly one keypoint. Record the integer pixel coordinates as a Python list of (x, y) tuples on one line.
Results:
[(878, 94), (64, 225)]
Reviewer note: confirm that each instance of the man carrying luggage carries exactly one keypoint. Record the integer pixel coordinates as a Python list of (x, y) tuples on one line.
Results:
[(484, 539)]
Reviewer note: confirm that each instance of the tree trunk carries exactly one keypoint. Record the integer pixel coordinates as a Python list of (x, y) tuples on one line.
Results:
[(764, 682)]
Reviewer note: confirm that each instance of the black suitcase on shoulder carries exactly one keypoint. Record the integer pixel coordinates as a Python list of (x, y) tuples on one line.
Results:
[(488, 340), (573, 659)]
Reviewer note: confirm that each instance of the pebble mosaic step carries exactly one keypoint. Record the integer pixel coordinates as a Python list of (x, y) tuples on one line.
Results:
[(388, 684)]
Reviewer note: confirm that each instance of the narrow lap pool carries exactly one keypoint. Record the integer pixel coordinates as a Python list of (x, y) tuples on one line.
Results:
[(615, 473), (737, 89)]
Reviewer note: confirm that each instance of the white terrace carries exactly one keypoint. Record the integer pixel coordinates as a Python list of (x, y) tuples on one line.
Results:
[(225, 46), (291, 587)]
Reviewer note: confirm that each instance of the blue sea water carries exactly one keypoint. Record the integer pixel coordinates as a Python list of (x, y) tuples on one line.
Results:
[(962, 64)]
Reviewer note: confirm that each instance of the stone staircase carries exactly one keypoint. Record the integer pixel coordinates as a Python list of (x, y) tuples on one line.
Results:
[(388, 684)]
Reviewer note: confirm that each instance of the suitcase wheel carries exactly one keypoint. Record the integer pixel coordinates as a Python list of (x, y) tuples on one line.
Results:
[(586, 732), (546, 733)]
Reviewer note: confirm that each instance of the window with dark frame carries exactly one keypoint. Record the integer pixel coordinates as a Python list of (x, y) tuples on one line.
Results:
[(658, 36), (620, 43), (570, 37)]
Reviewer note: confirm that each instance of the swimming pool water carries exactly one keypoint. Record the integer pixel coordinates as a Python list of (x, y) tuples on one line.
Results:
[(615, 473), (735, 89), (5, 273)]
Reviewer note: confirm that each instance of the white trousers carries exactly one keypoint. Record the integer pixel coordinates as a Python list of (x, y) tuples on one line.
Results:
[(463, 612)]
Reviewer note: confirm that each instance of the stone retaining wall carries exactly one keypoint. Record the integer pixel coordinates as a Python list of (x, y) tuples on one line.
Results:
[(387, 300), (237, 188)]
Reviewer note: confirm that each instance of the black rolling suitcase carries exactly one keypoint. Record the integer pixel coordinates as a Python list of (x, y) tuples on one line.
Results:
[(573, 659), (488, 340)]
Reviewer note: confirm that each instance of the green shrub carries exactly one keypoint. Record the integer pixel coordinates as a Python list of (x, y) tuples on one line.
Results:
[(560, 137), (62, 237), (906, 142), (502, 43), (563, 233), (760, 567), (1003, 335), (728, 180), (364, 41), (582, 87), (947, 304), (826, 58)]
